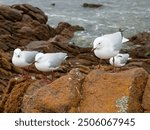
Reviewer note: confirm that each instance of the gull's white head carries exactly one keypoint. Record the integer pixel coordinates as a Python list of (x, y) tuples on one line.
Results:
[(17, 52), (38, 57), (119, 56), (97, 44)]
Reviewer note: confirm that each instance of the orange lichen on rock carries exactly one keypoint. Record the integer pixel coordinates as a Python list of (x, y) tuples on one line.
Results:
[(146, 96), (114, 92), (62, 95)]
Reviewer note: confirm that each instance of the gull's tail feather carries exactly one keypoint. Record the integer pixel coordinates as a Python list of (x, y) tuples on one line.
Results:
[(124, 40), (129, 58)]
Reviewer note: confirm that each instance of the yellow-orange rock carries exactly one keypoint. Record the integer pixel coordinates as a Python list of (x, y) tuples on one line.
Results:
[(146, 96), (114, 92), (62, 95)]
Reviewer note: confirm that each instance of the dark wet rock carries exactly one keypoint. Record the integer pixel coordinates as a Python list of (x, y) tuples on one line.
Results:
[(141, 45), (53, 4), (34, 12), (143, 63), (11, 14), (140, 38), (43, 32), (61, 26), (78, 28), (89, 5), (22, 23)]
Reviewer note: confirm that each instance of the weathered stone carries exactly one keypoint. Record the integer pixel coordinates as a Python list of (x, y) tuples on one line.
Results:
[(140, 45), (21, 24), (37, 17), (144, 63), (12, 98), (140, 38), (146, 96), (20, 7), (140, 52), (26, 18), (43, 32), (6, 25), (4, 32), (34, 12), (35, 45), (68, 33), (60, 39), (5, 64), (5, 74), (16, 69), (8, 42), (2, 18), (62, 95), (114, 92), (61, 26), (78, 28), (10, 14)]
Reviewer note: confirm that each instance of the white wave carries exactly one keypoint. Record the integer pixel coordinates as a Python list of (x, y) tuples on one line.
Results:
[(56, 15)]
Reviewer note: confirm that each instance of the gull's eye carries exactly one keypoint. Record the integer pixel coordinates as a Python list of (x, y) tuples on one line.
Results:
[(99, 43)]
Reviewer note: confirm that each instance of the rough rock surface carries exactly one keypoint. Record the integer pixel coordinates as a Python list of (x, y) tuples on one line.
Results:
[(141, 45), (20, 24), (114, 92), (14, 92), (63, 95), (146, 96)]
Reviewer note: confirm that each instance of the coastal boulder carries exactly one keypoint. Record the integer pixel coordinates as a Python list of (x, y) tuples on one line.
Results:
[(34, 12), (146, 96), (62, 95), (10, 13), (114, 92), (22, 23), (141, 45)]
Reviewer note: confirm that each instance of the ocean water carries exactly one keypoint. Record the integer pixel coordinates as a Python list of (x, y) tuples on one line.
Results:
[(132, 15)]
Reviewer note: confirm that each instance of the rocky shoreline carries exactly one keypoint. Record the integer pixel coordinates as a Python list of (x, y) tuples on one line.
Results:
[(79, 86)]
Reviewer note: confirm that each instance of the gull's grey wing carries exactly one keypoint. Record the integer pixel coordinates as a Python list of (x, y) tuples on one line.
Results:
[(56, 59), (124, 58), (115, 40), (29, 56), (117, 47)]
